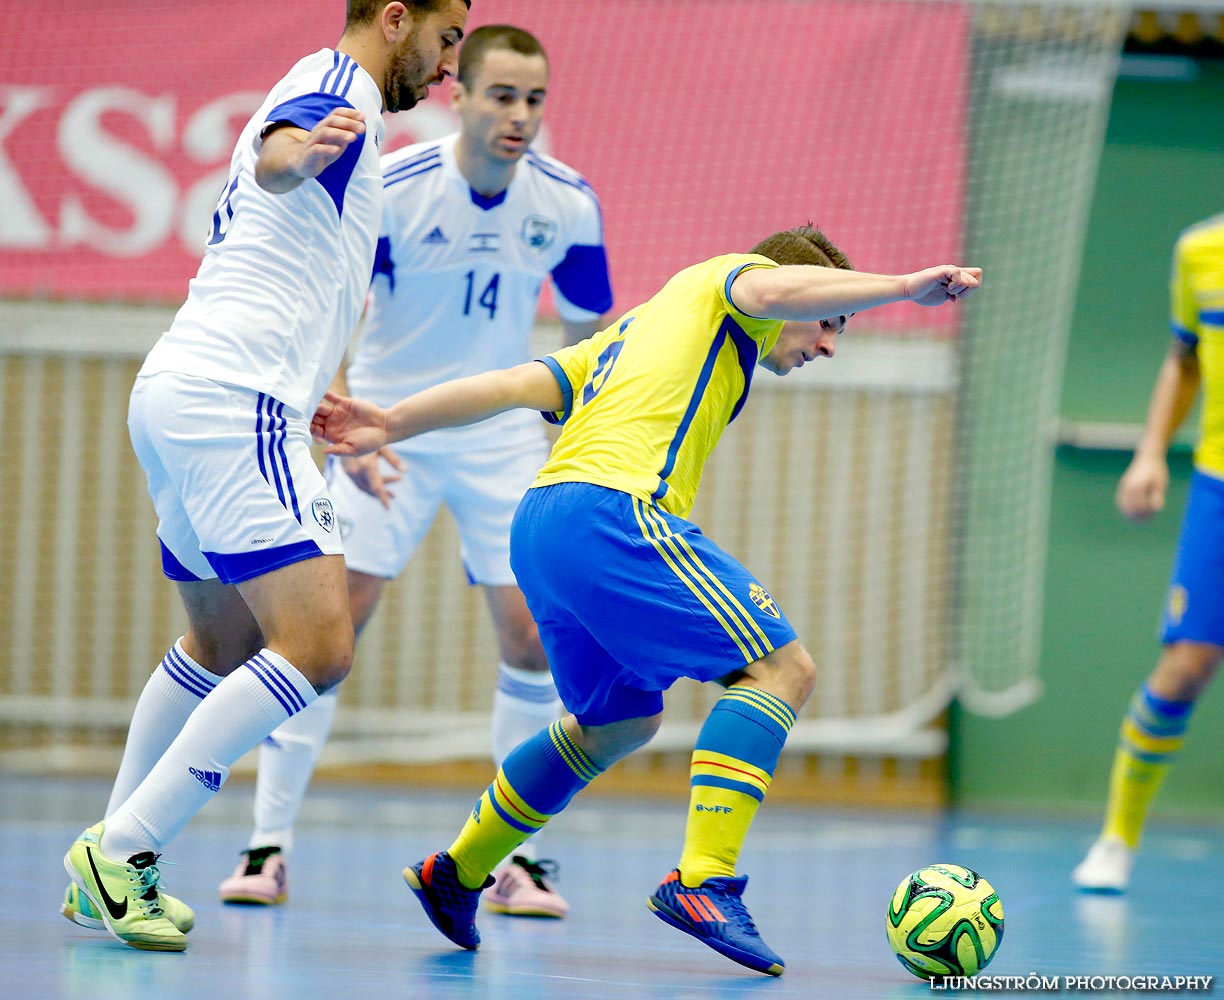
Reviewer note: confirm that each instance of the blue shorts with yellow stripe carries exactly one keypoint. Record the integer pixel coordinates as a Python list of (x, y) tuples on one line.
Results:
[(1194, 606), (629, 599)]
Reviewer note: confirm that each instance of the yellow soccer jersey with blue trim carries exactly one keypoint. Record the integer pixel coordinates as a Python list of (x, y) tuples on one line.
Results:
[(647, 399), (1197, 306)]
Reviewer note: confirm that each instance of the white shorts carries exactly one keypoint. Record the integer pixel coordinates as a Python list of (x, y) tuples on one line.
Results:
[(481, 488), (235, 487)]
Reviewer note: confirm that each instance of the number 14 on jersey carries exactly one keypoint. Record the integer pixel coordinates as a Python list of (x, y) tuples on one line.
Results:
[(487, 299)]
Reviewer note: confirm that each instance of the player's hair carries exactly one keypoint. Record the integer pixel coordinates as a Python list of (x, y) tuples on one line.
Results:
[(803, 245), (495, 36), (362, 12)]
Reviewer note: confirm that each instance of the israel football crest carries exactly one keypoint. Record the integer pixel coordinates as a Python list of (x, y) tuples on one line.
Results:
[(760, 597), (323, 513), (539, 232)]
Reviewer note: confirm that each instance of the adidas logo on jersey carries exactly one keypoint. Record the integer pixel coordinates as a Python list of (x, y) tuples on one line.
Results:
[(209, 779), (436, 237)]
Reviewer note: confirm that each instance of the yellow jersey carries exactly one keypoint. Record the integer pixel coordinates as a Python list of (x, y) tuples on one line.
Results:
[(1197, 307), (647, 399)]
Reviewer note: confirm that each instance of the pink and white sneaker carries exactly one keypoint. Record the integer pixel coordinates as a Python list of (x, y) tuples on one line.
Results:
[(522, 890), (261, 879)]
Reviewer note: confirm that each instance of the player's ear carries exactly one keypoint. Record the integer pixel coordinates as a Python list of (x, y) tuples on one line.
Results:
[(395, 22), (458, 94)]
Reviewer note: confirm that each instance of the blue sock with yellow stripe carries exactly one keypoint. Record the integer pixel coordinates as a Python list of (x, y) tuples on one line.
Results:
[(732, 766), (1152, 733), (536, 781)]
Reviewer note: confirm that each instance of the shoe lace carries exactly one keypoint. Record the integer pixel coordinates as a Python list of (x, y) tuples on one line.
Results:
[(541, 871), (732, 904), (256, 858), (147, 877)]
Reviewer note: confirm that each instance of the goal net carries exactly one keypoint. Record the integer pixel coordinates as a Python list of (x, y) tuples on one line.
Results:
[(894, 501)]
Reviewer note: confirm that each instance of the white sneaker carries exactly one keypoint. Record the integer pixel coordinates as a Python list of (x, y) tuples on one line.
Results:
[(1106, 867)]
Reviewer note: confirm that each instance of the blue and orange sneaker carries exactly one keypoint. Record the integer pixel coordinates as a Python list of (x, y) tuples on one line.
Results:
[(449, 904), (714, 913)]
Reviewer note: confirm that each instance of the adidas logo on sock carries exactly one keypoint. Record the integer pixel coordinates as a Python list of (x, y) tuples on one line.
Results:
[(436, 237), (209, 779)]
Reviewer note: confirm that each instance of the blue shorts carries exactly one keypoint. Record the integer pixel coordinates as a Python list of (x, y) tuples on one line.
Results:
[(1194, 607), (629, 599)]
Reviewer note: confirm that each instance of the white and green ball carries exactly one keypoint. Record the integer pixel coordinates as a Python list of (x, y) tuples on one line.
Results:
[(945, 920)]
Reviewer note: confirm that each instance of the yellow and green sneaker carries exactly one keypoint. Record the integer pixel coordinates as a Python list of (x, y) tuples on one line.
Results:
[(77, 908), (123, 895)]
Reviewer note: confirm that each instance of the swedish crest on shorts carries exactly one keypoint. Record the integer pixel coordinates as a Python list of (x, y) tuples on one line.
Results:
[(539, 232), (760, 597), (323, 513)]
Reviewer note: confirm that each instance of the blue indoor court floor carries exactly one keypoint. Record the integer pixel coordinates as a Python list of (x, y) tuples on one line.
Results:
[(820, 881)]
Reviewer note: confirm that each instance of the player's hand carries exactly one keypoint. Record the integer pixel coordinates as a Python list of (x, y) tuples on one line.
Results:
[(367, 472), (937, 285), (1142, 488), (349, 426), (327, 141)]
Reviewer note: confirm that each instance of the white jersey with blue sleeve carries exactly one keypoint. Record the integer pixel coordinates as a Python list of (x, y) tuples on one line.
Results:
[(457, 279), (284, 276)]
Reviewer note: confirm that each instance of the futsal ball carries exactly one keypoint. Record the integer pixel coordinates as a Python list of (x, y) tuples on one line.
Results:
[(945, 920)]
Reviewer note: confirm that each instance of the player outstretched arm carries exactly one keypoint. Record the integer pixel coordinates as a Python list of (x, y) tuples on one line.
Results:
[(290, 155), (808, 293), (356, 427), (1141, 490)]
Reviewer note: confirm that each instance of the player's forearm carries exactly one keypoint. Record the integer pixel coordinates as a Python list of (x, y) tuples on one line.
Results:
[(278, 168), (1172, 399), (469, 400), (807, 293)]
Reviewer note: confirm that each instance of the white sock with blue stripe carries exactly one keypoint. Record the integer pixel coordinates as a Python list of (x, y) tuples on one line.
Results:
[(170, 695), (239, 712), (524, 703), (286, 763)]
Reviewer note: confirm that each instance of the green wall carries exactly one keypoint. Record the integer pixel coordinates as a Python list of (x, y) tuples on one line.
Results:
[(1162, 169)]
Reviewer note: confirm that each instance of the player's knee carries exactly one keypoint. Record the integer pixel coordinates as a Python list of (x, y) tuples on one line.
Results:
[(220, 653), (1185, 670), (605, 745), (325, 655), (800, 671), (521, 647)]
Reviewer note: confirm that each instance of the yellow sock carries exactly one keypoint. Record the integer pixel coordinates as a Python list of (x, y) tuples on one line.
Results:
[(536, 781), (1152, 733), (731, 770)]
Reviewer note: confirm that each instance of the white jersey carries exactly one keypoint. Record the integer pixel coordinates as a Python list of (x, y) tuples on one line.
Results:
[(284, 276), (458, 276)]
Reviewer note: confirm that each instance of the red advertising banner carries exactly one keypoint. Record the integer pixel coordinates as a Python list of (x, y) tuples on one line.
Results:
[(703, 125)]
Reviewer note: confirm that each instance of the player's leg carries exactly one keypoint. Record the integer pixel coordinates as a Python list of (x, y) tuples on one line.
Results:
[(536, 781), (226, 448), (717, 623), (524, 702), (543, 774), (1154, 727), (1153, 731), (378, 543), (172, 692)]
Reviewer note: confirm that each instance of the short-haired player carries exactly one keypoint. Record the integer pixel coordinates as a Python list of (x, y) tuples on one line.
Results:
[(629, 594), (219, 419), (473, 225)]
